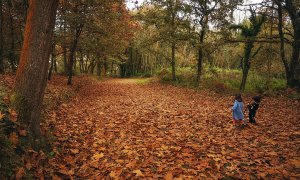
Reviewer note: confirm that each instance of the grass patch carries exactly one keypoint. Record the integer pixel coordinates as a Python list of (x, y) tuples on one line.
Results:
[(142, 81), (224, 80)]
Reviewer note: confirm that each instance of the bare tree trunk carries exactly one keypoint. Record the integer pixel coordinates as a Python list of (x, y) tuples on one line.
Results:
[(99, 66), (72, 53), (281, 35), (12, 57), (294, 81), (55, 65), (200, 50), (31, 76), (92, 66), (81, 67), (173, 63), (269, 61), (246, 63), (1, 40), (52, 62), (112, 69)]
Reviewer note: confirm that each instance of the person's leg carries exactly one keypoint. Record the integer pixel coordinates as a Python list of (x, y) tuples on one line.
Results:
[(234, 122), (241, 122), (251, 118)]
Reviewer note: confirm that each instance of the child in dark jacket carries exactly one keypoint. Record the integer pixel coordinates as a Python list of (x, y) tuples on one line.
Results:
[(253, 108)]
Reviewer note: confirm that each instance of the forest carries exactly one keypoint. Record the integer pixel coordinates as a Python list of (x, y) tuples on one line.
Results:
[(149, 89)]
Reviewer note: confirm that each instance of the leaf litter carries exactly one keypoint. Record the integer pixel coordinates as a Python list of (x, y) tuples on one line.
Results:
[(120, 129)]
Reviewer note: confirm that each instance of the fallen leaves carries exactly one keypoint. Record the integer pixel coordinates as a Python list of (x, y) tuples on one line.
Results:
[(74, 151), (97, 156), (14, 138), (20, 173), (125, 131), (1, 115), (138, 173)]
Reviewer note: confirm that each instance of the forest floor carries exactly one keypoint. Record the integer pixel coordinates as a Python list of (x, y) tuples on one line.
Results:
[(131, 129), (126, 128)]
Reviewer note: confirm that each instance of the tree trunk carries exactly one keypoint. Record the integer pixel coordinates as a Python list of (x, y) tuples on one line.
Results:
[(112, 69), (55, 65), (105, 67), (246, 63), (281, 36), (92, 66), (294, 63), (65, 59), (99, 66), (31, 76), (52, 62), (292, 69), (81, 62), (12, 57), (173, 63), (72, 53), (1, 40), (200, 50)]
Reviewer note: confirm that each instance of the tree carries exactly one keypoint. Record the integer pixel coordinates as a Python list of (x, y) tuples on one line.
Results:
[(31, 75), (204, 12), (292, 68), (169, 18), (249, 31), (1, 39)]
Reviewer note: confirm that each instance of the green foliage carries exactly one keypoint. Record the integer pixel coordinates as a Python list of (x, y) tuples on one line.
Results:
[(224, 80), (184, 77), (142, 81)]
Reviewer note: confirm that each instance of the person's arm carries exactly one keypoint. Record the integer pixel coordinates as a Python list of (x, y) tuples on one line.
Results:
[(234, 106)]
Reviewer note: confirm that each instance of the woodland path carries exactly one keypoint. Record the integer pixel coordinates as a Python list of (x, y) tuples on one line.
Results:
[(127, 129)]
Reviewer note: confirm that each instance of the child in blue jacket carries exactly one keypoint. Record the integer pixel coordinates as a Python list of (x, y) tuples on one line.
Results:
[(237, 110)]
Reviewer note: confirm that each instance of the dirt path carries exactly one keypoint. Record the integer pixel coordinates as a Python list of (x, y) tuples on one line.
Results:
[(122, 128)]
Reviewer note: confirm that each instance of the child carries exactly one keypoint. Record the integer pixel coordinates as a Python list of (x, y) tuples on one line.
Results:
[(253, 108), (237, 109)]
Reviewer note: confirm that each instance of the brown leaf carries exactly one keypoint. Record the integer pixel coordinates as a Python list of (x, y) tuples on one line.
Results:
[(20, 174), (295, 162), (14, 139), (98, 156), (1, 115), (23, 132), (75, 151), (169, 176), (12, 115), (138, 173)]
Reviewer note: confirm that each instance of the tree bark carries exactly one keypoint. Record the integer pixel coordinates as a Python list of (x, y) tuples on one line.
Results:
[(281, 36), (31, 76), (99, 66), (72, 53), (294, 14), (12, 56), (1, 40), (52, 62), (200, 56), (204, 25), (173, 63), (246, 64)]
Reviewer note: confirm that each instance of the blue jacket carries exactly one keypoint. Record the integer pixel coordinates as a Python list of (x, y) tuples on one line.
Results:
[(238, 110)]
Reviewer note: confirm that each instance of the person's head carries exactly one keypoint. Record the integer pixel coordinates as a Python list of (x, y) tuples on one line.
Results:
[(257, 99), (238, 97)]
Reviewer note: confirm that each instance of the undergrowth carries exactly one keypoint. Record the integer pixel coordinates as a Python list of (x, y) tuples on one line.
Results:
[(224, 80)]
